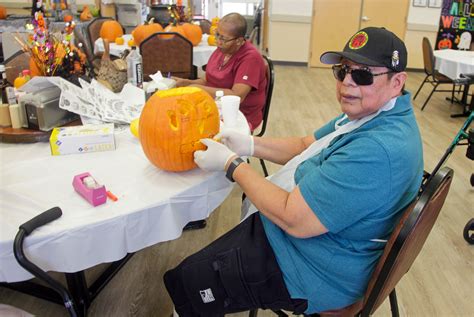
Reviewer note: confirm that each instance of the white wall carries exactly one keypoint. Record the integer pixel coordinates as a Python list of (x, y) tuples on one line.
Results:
[(289, 30), (422, 22)]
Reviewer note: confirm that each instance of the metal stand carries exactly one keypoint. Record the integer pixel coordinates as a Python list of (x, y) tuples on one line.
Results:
[(76, 285)]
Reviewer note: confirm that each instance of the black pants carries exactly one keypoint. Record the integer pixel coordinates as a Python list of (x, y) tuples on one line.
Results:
[(237, 272)]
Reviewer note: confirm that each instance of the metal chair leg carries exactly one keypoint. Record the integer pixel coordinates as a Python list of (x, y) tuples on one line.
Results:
[(429, 97), (394, 303), (253, 313), (421, 86)]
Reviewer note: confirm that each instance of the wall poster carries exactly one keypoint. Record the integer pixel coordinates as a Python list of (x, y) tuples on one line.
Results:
[(456, 25)]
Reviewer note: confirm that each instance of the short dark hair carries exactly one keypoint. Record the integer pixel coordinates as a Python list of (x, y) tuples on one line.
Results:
[(238, 21)]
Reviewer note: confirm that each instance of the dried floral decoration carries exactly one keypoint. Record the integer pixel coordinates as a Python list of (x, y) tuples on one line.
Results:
[(53, 54)]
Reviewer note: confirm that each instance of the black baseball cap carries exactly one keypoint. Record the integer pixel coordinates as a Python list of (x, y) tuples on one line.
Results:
[(372, 46)]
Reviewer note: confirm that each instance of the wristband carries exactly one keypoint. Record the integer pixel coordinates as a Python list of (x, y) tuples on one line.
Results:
[(232, 166)]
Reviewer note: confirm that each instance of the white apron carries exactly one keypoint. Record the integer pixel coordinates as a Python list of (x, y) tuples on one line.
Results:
[(285, 177)]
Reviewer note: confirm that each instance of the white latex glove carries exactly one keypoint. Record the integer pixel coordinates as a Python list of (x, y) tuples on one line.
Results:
[(214, 158), (241, 144)]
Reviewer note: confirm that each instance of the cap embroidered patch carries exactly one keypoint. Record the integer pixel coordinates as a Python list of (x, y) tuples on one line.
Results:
[(245, 77), (358, 40), (395, 59)]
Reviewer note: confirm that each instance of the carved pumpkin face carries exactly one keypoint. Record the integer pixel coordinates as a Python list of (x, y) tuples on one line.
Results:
[(173, 122)]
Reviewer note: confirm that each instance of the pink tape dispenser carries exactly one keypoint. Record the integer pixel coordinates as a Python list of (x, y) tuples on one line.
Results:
[(88, 188)]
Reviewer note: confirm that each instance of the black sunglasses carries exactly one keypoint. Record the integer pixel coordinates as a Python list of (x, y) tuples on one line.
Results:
[(361, 76)]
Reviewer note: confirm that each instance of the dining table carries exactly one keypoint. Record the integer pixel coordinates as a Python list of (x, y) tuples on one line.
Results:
[(455, 64), (152, 206), (201, 52)]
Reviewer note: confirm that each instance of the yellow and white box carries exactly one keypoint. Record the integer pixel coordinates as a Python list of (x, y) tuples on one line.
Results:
[(82, 139)]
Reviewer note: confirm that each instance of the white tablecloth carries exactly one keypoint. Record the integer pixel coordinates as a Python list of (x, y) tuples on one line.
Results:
[(453, 63), (201, 53), (153, 205)]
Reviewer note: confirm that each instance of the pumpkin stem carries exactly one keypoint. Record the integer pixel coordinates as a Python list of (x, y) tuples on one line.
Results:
[(151, 21)]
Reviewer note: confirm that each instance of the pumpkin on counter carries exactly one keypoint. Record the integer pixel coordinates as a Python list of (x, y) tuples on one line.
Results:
[(143, 31), (172, 124), (193, 33), (110, 30), (3, 13)]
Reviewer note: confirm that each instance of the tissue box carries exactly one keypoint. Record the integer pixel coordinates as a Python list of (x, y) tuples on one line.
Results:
[(82, 139)]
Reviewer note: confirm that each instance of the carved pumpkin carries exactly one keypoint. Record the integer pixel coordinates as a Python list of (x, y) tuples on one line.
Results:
[(143, 31), (193, 33), (172, 123), (3, 13), (110, 30), (86, 14), (173, 28)]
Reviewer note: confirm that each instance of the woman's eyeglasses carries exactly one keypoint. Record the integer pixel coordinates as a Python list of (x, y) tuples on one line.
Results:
[(222, 39), (360, 76)]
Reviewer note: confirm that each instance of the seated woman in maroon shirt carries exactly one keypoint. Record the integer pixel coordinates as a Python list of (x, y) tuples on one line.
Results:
[(237, 68)]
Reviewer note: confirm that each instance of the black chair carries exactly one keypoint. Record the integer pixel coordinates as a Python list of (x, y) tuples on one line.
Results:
[(266, 109), (432, 75), (168, 52), (401, 250), (93, 33)]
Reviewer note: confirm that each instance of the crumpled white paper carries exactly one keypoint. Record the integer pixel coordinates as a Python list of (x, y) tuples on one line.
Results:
[(158, 82)]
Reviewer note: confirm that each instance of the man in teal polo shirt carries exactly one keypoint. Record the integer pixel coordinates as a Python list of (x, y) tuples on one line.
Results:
[(315, 230)]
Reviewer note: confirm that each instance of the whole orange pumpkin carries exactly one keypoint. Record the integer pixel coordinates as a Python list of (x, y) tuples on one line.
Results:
[(193, 33), (3, 13), (172, 123), (143, 31), (173, 28), (110, 30)]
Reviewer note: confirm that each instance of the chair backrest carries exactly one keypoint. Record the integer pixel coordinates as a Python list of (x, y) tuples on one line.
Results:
[(15, 64), (407, 240), (428, 57), (93, 32), (168, 52), (205, 25), (270, 73)]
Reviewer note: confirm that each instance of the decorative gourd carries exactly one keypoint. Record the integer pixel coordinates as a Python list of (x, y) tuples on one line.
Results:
[(3, 13), (86, 14), (213, 30), (131, 42), (215, 21), (172, 123), (110, 30), (119, 41), (143, 31), (211, 40), (20, 81), (173, 28), (193, 33)]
